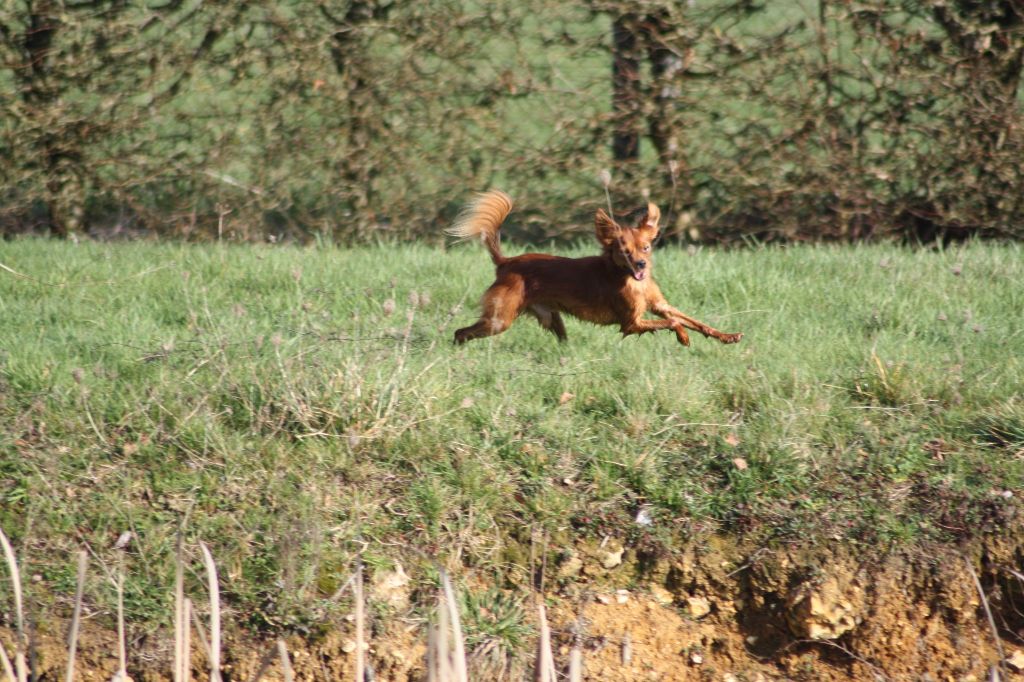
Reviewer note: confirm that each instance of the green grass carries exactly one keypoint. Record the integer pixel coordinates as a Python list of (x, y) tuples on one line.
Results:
[(264, 398)]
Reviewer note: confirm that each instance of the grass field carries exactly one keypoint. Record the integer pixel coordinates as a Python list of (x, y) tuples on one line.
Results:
[(292, 406)]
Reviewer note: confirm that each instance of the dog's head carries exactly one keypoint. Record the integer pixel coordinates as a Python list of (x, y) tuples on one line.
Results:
[(629, 247)]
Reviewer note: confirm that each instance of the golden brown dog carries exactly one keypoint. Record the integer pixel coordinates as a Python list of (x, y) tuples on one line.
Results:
[(613, 288)]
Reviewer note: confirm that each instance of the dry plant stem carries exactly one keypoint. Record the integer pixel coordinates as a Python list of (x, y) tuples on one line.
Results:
[(186, 632), (286, 664), (458, 644), (83, 561), (576, 662), (179, 616), (627, 648), (432, 657), (444, 661), (200, 631), (265, 662), (211, 574), (545, 665), (360, 624), (122, 651), (988, 615), (21, 646), (8, 669)]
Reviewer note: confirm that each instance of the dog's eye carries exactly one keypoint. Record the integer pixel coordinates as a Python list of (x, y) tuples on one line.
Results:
[(647, 247)]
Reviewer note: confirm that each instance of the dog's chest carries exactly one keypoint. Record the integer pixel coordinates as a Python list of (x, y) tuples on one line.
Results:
[(634, 296)]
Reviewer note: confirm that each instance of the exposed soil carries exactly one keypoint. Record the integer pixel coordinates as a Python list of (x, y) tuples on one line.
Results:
[(714, 613)]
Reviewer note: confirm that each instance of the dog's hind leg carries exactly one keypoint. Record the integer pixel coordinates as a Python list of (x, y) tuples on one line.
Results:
[(501, 305), (550, 320)]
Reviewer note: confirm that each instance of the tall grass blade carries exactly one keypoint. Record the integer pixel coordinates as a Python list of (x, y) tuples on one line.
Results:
[(433, 663), (21, 645), (360, 624), (214, 590), (458, 642), (76, 615), (186, 634), (444, 658), (122, 650), (8, 668), (544, 670), (204, 642), (179, 615)]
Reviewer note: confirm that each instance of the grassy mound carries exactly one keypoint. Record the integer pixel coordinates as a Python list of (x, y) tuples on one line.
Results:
[(291, 407)]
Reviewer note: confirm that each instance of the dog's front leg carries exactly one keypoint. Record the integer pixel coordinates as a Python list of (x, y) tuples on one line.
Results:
[(643, 326), (661, 308)]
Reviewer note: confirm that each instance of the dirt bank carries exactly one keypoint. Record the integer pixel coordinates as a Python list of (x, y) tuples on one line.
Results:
[(713, 613)]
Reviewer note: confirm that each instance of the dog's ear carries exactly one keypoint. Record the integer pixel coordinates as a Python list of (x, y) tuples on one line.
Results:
[(649, 221), (607, 230)]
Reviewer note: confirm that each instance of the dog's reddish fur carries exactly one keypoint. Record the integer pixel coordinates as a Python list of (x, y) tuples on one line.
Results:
[(613, 288)]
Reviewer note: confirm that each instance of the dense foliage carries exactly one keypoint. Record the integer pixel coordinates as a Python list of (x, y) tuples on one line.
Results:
[(362, 119)]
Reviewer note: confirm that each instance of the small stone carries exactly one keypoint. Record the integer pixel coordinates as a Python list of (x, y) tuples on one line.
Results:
[(729, 677), (698, 606), (612, 556), (825, 611), (349, 646), (696, 658), (621, 596), (604, 599), (1016, 660)]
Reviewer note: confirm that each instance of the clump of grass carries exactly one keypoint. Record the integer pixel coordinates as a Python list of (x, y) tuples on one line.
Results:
[(1004, 426), (497, 632)]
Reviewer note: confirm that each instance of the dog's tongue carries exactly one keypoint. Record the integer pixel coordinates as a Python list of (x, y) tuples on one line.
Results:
[(639, 275)]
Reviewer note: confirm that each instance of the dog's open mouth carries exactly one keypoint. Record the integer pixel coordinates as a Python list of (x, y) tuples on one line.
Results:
[(639, 275)]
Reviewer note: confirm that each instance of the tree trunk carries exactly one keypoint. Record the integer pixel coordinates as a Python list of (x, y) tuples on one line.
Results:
[(666, 66), (625, 89)]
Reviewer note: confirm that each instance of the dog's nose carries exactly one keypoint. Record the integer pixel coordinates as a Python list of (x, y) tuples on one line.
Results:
[(641, 264)]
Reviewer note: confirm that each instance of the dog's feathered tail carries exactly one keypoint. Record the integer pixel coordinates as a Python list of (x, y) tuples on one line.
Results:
[(483, 218)]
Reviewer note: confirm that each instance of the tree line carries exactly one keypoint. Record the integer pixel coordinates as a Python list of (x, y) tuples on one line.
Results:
[(375, 119)]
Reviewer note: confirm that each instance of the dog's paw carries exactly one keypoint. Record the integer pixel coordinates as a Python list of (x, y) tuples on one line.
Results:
[(731, 338)]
